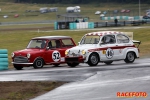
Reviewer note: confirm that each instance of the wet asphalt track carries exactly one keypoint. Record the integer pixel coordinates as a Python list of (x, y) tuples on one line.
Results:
[(89, 83)]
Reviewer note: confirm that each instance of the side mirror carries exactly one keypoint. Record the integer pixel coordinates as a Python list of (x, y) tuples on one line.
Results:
[(78, 43), (47, 48), (102, 43)]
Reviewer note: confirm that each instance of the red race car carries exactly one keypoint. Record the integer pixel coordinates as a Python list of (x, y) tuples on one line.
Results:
[(45, 50)]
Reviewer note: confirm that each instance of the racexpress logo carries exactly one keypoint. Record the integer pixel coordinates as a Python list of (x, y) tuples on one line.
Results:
[(132, 94)]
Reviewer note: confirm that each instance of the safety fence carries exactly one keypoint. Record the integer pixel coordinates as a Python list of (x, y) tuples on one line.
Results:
[(81, 25), (123, 18), (119, 23), (73, 25), (3, 59)]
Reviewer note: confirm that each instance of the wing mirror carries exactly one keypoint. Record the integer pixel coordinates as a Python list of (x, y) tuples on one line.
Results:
[(78, 43), (102, 43), (47, 48)]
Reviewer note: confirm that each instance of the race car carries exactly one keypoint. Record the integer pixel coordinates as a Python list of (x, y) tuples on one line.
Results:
[(45, 50), (103, 46)]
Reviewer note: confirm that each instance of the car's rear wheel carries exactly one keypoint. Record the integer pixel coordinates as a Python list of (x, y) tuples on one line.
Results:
[(93, 59), (38, 63), (18, 67), (130, 57), (108, 62), (73, 64)]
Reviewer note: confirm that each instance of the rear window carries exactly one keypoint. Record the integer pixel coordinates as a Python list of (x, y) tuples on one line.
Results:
[(67, 43), (122, 38)]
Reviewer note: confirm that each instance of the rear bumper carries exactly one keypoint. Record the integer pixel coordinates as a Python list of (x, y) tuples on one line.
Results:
[(74, 59)]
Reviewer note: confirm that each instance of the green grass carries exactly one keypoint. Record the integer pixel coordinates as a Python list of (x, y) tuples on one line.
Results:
[(26, 26), (19, 90)]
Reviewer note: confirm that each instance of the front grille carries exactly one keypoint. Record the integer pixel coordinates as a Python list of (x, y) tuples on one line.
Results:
[(73, 59), (21, 59)]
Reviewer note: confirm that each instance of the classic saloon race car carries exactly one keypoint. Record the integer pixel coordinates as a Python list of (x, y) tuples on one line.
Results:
[(43, 51), (104, 46)]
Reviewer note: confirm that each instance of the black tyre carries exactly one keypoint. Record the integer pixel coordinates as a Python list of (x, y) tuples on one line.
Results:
[(56, 65), (108, 62), (18, 67), (93, 59), (38, 63), (73, 64), (130, 57)]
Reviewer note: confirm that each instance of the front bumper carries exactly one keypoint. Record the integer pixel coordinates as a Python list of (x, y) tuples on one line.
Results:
[(21, 60), (79, 59), (22, 63)]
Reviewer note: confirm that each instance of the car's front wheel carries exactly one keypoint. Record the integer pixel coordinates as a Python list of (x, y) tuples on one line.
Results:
[(73, 64), (18, 67), (130, 57), (93, 59), (38, 63)]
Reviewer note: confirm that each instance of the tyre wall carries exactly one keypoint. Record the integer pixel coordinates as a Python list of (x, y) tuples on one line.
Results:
[(3, 59)]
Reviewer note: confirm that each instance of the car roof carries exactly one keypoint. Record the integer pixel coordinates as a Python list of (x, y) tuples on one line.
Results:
[(52, 37), (101, 33)]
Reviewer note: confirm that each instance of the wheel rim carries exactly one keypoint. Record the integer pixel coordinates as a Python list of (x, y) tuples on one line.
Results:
[(94, 59), (39, 63), (130, 56)]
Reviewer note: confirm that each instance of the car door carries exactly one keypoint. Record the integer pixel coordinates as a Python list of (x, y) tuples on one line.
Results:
[(123, 42), (109, 50), (65, 44), (53, 54), (57, 48)]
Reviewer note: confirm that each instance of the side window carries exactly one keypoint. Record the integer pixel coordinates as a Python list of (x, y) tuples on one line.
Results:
[(43, 43), (108, 39), (67, 43), (58, 43), (122, 38), (54, 44)]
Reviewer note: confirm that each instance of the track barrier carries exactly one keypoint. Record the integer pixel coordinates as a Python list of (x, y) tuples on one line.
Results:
[(3, 59)]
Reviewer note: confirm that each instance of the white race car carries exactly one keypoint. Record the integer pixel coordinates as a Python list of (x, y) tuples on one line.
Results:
[(104, 46)]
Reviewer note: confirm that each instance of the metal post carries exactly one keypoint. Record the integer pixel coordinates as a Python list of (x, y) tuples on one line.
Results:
[(139, 8)]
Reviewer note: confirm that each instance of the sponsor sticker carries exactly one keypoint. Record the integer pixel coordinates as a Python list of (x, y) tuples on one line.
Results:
[(62, 59), (104, 51)]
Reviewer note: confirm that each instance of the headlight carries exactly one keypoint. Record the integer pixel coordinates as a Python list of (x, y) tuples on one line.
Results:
[(66, 52), (83, 52), (28, 55), (12, 54)]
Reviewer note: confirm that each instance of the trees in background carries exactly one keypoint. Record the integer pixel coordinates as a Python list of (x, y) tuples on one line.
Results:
[(80, 1)]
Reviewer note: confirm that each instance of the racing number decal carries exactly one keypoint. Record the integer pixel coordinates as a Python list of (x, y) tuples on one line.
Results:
[(109, 53), (56, 56)]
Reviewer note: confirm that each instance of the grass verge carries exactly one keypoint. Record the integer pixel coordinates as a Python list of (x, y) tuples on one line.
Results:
[(20, 90)]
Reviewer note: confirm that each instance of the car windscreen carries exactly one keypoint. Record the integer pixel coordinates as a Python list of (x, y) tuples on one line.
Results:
[(37, 43), (90, 39)]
